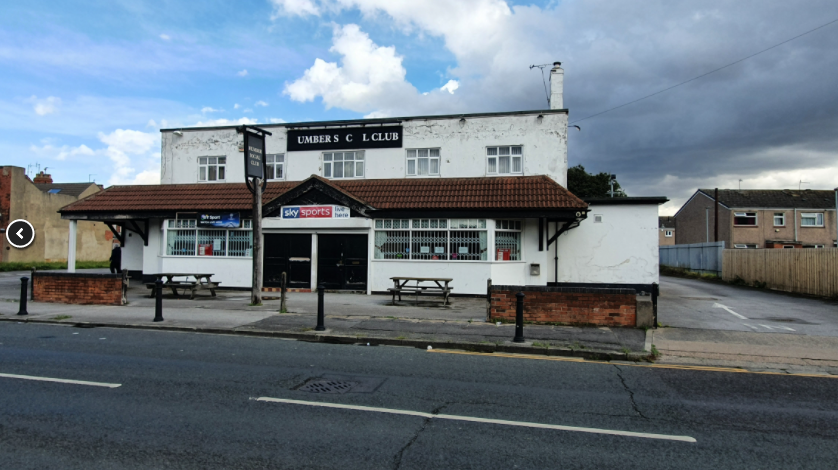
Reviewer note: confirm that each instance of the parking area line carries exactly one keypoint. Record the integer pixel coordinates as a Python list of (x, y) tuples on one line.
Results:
[(525, 424), (627, 364), (64, 381)]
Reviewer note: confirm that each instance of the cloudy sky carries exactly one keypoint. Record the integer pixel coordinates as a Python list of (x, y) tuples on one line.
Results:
[(85, 85)]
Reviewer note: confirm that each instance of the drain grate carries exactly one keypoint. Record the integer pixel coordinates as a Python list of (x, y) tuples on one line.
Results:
[(327, 386)]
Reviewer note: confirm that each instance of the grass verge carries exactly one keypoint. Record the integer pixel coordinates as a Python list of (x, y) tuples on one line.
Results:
[(46, 266)]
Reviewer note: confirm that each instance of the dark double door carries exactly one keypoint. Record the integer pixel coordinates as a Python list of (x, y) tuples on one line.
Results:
[(290, 254), (342, 261)]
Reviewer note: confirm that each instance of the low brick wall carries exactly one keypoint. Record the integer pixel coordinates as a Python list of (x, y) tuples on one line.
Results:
[(76, 288), (566, 305)]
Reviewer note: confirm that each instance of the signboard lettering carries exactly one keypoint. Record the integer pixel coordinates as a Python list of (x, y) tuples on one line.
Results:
[(229, 220), (315, 212), (254, 155), (345, 138)]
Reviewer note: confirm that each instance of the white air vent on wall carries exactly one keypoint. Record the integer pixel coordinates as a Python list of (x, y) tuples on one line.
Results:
[(597, 218)]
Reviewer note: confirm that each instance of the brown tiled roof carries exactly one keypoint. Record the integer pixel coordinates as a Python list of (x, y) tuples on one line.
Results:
[(67, 189), (774, 198), (666, 222), (176, 197), (517, 192)]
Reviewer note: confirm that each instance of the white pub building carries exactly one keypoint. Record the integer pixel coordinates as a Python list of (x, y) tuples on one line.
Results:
[(353, 203)]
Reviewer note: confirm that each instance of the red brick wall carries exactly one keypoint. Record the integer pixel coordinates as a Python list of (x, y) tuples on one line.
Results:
[(572, 306), (5, 207), (100, 289)]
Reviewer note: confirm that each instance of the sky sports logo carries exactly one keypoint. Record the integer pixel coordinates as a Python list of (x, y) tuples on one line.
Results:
[(315, 212)]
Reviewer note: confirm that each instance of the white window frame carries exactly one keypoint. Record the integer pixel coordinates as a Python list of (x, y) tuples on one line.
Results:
[(192, 225), (494, 155), (745, 214), (782, 217), (818, 216), (274, 165), (509, 226), (329, 167), (746, 246), (220, 167), (414, 226), (414, 157), (667, 233)]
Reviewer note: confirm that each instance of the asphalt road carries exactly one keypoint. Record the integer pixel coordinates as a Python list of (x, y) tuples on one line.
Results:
[(190, 401), (692, 303)]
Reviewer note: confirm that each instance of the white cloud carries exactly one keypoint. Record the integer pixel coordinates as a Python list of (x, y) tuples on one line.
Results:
[(61, 153), (450, 86), (147, 177), (260, 103), (207, 109), (45, 106), (151, 123), (225, 122), (122, 143), (242, 73), (248, 110), (165, 37), (277, 121), (376, 115), (294, 7), (236, 106)]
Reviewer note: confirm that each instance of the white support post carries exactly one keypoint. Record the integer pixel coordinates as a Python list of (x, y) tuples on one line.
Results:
[(71, 248), (313, 261)]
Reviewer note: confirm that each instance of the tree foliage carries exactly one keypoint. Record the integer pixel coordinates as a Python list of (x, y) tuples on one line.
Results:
[(583, 184)]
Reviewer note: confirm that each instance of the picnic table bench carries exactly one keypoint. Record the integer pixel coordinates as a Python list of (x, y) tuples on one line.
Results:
[(199, 281), (401, 285)]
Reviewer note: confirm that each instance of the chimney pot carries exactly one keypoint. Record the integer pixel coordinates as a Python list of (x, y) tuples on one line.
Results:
[(42, 178)]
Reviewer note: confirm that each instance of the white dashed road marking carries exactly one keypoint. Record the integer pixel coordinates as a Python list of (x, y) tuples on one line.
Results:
[(64, 381), (479, 420), (729, 311)]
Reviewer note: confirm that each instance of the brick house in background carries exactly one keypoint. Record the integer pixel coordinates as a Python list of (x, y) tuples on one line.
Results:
[(759, 218), (38, 202), (666, 230)]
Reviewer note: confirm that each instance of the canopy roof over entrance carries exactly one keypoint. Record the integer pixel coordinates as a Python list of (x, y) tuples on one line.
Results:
[(516, 196)]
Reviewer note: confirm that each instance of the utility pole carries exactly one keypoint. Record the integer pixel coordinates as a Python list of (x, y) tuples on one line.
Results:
[(254, 177), (716, 216), (611, 183)]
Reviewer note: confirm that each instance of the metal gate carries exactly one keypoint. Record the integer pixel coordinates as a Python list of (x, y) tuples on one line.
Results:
[(290, 254), (342, 261)]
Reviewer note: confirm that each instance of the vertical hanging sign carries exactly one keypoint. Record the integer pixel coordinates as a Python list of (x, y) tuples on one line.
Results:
[(254, 155), (254, 167)]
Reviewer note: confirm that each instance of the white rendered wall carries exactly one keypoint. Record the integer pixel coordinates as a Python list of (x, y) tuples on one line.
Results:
[(230, 272), (462, 148), (132, 252), (621, 249)]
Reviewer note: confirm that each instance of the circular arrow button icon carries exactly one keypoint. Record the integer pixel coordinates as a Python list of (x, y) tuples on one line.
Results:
[(20, 233)]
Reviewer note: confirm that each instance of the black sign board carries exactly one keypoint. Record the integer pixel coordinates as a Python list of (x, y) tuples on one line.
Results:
[(254, 155), (345, 138)]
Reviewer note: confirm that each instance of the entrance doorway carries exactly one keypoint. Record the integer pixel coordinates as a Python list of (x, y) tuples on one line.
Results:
[(342, 261), (290, 254)]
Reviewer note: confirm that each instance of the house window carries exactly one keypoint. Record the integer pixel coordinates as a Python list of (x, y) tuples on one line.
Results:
[(745, 218), (343, 165), (275, 167), (820, 246), (745, 246), (508, 240), (811, 220), (667, 233), (779, 219), (211, 168), (431, 239), (422, 162), (184, 238), (785, 247), (504, 160)]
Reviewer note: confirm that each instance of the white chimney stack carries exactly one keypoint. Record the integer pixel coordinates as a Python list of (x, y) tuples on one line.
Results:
[(557, 86)]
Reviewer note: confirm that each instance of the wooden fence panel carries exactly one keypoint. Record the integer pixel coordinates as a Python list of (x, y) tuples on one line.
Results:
[(804, 271)]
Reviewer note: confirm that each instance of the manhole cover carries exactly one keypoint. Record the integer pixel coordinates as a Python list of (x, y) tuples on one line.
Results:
[(327, 386)]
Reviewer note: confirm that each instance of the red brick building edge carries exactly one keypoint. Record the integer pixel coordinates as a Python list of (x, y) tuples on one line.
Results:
[(566, 305), (72, 288)]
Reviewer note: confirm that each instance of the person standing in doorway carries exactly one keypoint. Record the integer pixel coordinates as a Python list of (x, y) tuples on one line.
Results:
[(116, 259)]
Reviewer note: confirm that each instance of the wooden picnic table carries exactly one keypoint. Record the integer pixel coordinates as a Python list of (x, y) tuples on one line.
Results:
[(201, 281), (402, 285)]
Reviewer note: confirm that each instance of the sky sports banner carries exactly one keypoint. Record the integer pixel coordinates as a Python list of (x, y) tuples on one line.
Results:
[(345, 138), (315, 212)]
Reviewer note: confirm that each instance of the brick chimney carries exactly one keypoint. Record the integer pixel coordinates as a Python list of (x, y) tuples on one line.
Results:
[(557, 86), (42, 178)]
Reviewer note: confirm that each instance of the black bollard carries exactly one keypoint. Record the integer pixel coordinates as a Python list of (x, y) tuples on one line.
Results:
[(519, 319), (24, 284), (158, 300), (321, 289)]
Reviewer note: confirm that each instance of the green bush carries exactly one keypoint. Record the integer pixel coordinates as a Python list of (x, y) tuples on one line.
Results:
[(45, 266)]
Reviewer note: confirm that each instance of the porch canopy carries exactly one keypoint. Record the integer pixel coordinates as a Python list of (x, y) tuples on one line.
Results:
[(539, 197)]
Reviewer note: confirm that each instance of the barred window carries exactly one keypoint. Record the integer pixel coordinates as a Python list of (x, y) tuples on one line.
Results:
[(183, 238), (508, 240), (431, 239)]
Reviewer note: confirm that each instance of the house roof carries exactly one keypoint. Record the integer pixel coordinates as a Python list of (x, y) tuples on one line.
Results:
[(666, 222), (774, 198), (517, 192), (67, 189)]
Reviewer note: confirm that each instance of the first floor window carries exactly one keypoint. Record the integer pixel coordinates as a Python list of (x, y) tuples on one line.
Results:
[(744, 218), (504, 160), (779, 219), (183, 238), (275, 167), (667, 233), (811, 220), (422, 162), (508, 240), (212, 168), (343, 165)]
